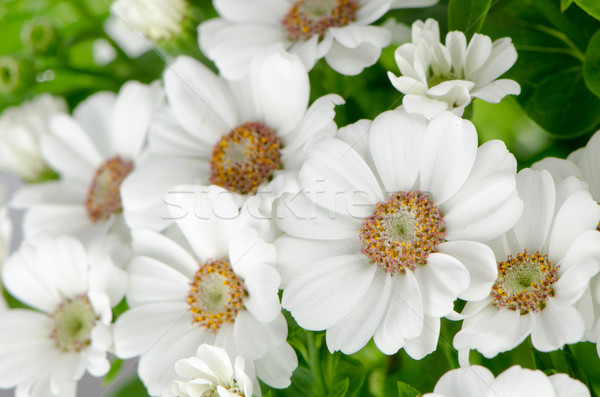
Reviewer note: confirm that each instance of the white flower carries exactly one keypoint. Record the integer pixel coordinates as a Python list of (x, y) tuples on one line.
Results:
[(250, 136), (545, 264), (20, 131), (583, 164), (437, 77), (478, 381), (211, 372), (93, 152), (156, 19), (339, 30), (5, 235), (386, 232), (45, 352), (215, 284)]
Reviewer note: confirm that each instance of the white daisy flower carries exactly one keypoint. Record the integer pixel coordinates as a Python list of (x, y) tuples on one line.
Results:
[(157, 20), (214, 285), (478, 381), (21, 129), (47, 350), (339, 30), (386, 232), (545, 264), (437, 77), (583, 164), (212, 373), (93, 152), (250, 136)]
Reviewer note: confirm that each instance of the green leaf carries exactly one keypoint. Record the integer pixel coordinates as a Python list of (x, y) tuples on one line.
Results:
[(592, 7), (405, 390), (340, 389), (113, 372), (591, 66), (564, 4), (467, 15)]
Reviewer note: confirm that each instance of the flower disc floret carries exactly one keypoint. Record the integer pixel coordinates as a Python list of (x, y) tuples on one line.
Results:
[(524, 282), (245, 158), (402, 232), (104, 194), (73, 323), (216, 295), (313, 17)]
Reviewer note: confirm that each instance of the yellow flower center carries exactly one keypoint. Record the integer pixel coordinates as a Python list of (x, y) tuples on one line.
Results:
[(309, 17)]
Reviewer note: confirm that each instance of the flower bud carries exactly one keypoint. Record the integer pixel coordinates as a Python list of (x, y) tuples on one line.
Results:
[(16, 75), (39, 36)]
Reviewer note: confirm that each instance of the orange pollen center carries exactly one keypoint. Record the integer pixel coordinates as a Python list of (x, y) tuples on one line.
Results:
[(524, 282), (402, 232), (245, 158), (104, 195), (309, 17), (216, 295)]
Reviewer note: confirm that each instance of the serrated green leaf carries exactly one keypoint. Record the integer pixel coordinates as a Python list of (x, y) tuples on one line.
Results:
[(564, 4), (592, 7), (591, 66), (340, 389), (405, 390), (467, 15)]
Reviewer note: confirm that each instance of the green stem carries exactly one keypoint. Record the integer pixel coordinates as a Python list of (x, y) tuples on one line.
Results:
[(315, 364)]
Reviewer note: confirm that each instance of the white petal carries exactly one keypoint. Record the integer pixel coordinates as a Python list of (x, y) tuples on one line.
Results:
[(155, 245), (307, 51), (496, 90), (254, 338), (556, 326), (262, 286), (152, 281), (327, 290), (522, 382), (258, 11), (208, 217), (485, 211), (232, 46), (565, 386), (478, 51), (139, 328), (449, 150), (95, 115), (354, 331), (420, 104), (69, 150), (537, 191), (480, 263), (352, 61), (281, 88), (425, 343), (502, 57), (133, 111), (577, 214), (468, 381), (558, 168), (404, 316), (352, 36), (276, 368), (340, 180), (200, 100), (169, 138), (441, 280), (394, 143), (573, 283)]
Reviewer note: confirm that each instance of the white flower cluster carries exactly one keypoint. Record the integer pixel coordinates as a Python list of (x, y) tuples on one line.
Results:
[(199, 197)]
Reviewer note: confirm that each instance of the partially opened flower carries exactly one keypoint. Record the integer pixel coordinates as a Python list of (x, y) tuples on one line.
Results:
[(157, 20), (386, 232), (93, 151), (437, 77), (211, 282), (478, 381), (249, 137), (47, 350), (210, 373), (545, 264), (21, 129), (339, 30)]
